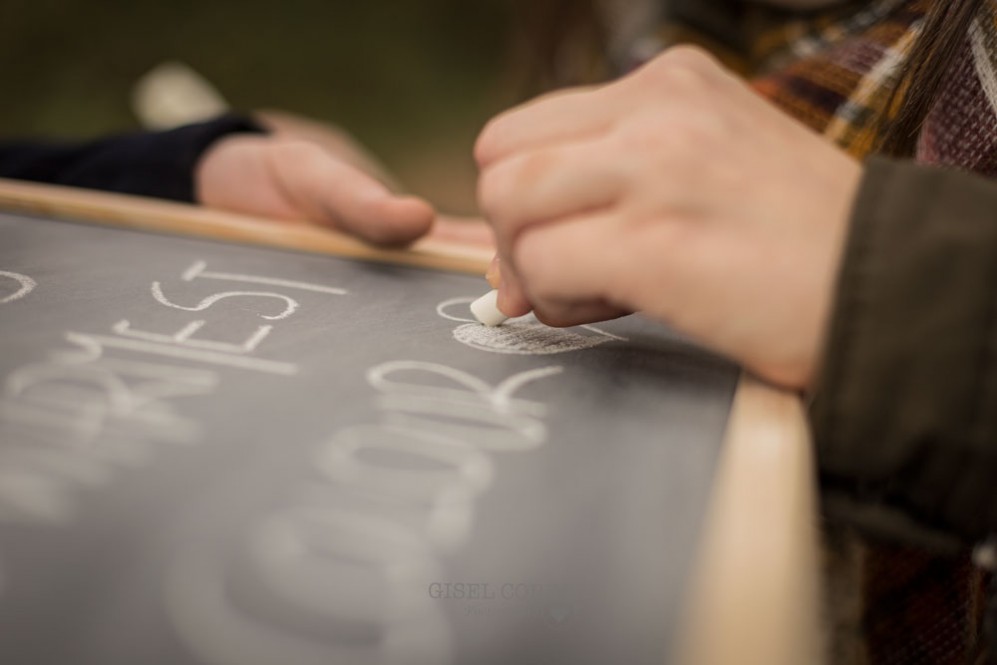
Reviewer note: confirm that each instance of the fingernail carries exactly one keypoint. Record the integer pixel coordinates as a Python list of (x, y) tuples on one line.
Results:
[(494, 274)]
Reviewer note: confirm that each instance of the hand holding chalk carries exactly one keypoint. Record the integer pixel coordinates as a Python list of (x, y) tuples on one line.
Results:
[(485, 309)]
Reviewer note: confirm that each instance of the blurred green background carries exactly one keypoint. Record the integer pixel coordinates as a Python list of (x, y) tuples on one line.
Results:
[(413, 80)]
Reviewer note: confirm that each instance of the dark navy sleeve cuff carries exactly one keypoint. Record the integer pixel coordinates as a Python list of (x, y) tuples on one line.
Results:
[(156, 164)]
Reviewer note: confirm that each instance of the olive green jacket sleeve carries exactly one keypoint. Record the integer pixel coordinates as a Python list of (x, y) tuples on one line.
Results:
[(905, 411)]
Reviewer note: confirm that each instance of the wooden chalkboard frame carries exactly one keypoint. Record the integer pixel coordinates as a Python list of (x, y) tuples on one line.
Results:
[(754, 594), (177, 218)]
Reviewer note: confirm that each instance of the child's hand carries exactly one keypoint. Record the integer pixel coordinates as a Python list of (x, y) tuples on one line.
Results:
[(285, 178), (679, 192)]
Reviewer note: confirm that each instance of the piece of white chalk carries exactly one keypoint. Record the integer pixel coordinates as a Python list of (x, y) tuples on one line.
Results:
[(485, 309)]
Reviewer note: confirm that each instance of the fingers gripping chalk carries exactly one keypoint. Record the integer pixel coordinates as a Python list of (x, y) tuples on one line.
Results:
[(485, 309)]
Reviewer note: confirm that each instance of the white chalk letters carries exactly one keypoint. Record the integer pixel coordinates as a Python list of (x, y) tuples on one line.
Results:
[(341, 574), (104, 402)]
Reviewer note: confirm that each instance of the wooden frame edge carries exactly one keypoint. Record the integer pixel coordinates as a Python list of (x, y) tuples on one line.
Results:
[(754, 593), (190, 220)]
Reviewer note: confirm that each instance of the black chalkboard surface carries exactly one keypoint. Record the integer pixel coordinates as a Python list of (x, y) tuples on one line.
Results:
[(219, 454)]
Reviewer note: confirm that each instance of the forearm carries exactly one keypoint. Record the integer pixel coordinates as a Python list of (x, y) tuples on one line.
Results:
[(157, 164), (905, 412)]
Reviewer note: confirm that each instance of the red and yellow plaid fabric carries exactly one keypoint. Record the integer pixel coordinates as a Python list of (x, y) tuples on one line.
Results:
[(836, 73)]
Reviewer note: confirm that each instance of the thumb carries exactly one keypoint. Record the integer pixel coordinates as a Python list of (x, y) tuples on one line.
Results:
[(331, 192)]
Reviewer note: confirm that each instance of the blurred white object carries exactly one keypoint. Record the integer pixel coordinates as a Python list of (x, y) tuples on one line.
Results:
[(173, 94), (485, 310)]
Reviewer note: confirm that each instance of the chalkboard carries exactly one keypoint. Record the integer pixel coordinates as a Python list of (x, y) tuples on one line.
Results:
[(229, 455)]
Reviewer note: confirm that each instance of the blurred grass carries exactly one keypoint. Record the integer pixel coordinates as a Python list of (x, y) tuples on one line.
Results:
[(413, 79)]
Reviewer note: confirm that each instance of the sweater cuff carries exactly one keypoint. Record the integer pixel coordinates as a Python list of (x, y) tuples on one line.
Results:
[(156, 164), (161, 164), (905, 411)]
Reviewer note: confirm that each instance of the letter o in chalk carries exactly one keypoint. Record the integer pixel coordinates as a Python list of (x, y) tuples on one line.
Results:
[(27, 285), (341, 565), (464, 468)]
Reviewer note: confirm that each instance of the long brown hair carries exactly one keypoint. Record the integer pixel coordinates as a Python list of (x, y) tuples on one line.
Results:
[(946, 28)]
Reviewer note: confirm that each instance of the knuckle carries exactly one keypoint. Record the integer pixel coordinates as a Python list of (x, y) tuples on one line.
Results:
[(483, 144), (493, 190), (529, 168), (486, 147), (690, 58), (534, 265), (501, 186), (683, 68)]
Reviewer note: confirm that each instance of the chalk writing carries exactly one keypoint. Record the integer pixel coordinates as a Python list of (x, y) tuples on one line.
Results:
[(182, 353), (25, 285), (290, 304), (353, 554), (300, 566), (70, 420), (473, 411), (522, 336), (184, 337), (197, 270)]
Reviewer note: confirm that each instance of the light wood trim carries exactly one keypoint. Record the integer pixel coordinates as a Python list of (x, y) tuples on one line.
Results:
[(754, 596), (181, 219)]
